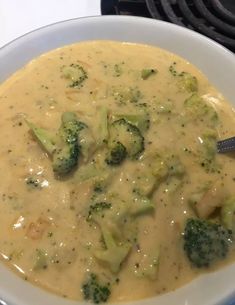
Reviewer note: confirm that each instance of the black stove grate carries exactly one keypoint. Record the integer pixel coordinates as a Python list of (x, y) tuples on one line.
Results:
[(213, 18)]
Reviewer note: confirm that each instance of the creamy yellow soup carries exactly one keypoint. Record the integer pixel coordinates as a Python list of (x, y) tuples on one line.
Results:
[(105, 205)]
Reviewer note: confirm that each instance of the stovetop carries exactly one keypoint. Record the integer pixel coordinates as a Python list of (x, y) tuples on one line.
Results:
[(213, 18)]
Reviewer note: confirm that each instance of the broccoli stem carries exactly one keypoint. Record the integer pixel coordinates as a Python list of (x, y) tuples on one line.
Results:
[(44, 138)]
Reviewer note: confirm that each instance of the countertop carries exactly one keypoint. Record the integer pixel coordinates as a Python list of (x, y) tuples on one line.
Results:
[(18, 17)]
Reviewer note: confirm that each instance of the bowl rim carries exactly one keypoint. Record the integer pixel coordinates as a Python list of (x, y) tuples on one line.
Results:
[(39, 29), (229, 294)]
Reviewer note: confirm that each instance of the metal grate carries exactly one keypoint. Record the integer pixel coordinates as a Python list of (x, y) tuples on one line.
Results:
[(213, 18)]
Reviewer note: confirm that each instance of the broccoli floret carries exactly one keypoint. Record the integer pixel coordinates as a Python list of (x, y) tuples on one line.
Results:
[(70, 127), (116, 246), (98, 208), (94, 290), (44, 138), (65, 157), (114, 253), (188, 82), (205, 242), (146, 73), (128, 135), (208, 151), (199, 110), (140, 120), (155, 169), (64, 148), (76, 74), (73, 130), (125, 95), (116, 155), (149, 174)]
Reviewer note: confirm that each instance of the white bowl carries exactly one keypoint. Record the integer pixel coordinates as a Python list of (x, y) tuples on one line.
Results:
[(217, 63)]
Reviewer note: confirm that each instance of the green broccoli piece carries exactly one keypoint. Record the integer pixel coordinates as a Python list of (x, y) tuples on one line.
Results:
[(65, 157), (149, 174), (117, 70), (124, 95), (100, 176), (117, 154), (205, 242), (148, 263), (227, 213), (70, 127), (165, 107), (114, 253), (33, 182), (87, 172), (155, 169), (198, 194), (44, 138), (109, 219), (64, 148), (198, 110), (41, 260), (145, 183), (98, 208), (188, 82), (76, 74), (208, 151), (94, 290), (87, 143), (146, 73), (140, 120), (98, 188), (128, 135), (141, 205), (102, 130), (175, 167)]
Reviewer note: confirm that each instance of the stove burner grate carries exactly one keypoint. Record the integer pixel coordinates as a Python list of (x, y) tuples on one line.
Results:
[(213, 18)]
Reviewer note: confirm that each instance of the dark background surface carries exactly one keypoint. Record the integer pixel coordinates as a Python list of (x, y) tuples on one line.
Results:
[(212, 18), (107, 6)]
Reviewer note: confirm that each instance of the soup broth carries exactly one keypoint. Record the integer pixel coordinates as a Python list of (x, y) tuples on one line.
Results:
[(108, 169)]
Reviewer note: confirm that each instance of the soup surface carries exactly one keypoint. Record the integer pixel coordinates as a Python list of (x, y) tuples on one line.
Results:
[(111, 187)]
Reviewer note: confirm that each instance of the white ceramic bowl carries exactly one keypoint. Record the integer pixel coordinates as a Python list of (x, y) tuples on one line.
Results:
[(215, 61)]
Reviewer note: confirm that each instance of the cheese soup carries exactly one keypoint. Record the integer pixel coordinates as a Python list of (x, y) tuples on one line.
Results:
[(111, 186)]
